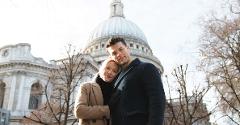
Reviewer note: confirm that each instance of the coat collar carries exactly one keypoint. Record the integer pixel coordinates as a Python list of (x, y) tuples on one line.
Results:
[(124, 72), (134, 63)]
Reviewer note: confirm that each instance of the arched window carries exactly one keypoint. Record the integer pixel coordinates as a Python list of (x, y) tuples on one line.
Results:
[(35, 96), (103, 45), (96, 47), (131, 45), (137, 46), (2, 93)]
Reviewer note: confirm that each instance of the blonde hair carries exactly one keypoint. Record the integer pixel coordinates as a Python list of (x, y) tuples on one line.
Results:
[(105, 62)]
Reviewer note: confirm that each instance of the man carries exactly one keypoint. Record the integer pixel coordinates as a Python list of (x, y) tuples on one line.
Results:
[(139, 97)]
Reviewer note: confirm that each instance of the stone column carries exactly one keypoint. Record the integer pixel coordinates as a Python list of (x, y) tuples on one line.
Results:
[(7, 81), (11, 92), (20, 100), (26, 96)]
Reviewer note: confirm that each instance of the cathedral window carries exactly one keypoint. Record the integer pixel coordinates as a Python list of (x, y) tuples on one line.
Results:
[(137, 46), (99, 62), (5, 53), (114, 9), (96, 47), (131, 45), (2, 93), (103, 45), (35, 96)]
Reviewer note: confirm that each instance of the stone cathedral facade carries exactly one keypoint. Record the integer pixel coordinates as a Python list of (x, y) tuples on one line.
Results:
[(22, 76)]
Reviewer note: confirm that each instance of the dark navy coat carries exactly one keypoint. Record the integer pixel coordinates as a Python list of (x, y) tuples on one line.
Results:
[(139, 97)]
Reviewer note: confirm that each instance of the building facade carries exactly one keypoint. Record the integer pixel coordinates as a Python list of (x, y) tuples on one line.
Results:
[(20, 75), (191, 112)]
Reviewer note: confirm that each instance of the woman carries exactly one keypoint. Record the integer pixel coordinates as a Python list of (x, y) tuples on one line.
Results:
[(91, 103)]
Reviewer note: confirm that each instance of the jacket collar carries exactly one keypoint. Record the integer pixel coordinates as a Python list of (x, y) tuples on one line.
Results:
[(134, 63), (124, 72)]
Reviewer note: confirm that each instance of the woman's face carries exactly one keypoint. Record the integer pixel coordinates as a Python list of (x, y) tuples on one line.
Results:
[(109, 72)]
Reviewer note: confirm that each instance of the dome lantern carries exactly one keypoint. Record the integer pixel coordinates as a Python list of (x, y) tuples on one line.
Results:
[(116, 8)]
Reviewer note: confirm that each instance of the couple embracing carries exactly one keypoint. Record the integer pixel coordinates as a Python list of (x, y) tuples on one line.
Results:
[(125, 91)]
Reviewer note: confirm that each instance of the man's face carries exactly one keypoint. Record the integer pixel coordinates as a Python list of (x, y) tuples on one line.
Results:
[(120, 53)]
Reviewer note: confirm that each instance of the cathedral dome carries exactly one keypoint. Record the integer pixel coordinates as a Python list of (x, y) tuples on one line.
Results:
[(117, 26)]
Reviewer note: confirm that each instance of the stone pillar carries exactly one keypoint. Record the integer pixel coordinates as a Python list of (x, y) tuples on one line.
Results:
[(11, 92), (20, 101), (17, 90), (26, 96)]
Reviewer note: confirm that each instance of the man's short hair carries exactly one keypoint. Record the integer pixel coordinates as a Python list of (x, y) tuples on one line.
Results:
[(114, 40)]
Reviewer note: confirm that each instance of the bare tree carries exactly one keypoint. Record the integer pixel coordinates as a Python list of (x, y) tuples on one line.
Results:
[(59, 91), (220, 51), (186, 109)]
